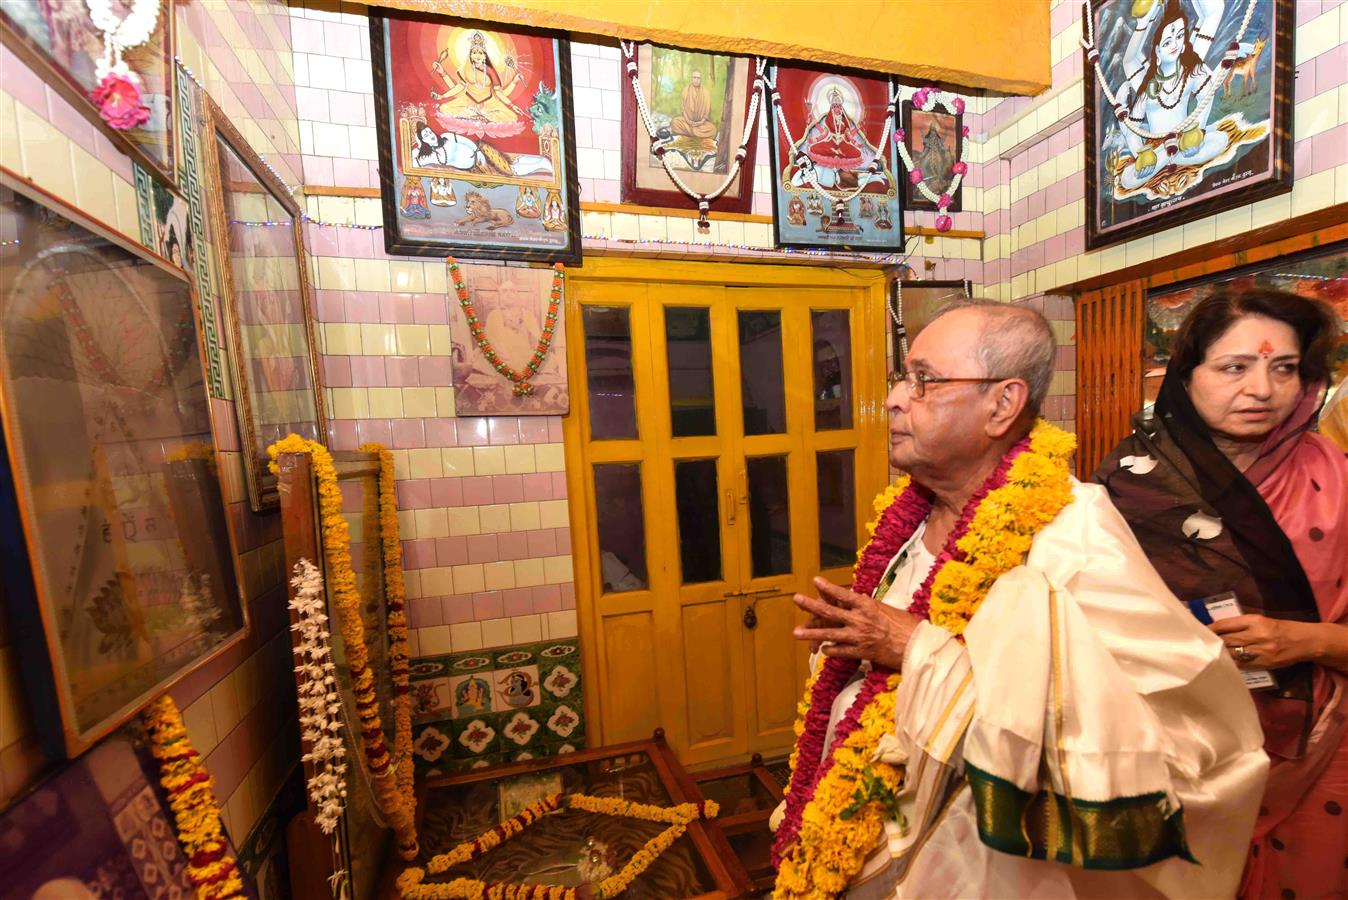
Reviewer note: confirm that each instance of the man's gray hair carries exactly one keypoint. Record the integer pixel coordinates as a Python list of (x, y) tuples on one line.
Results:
[(1013, 342)]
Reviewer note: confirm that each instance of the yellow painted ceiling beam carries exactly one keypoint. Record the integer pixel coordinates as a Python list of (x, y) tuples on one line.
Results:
[(995, 45)]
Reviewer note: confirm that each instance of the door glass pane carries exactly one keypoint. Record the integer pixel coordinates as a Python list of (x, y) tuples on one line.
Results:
[(832, 369), (837, 509), (692, 399), (761, 385), (608, 367), (699, 520), (622, 531), (769, 516)]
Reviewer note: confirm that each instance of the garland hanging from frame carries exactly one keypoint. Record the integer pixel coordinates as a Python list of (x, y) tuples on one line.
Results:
[(660, 146), (391, 774), (927, 99), (521, 379)]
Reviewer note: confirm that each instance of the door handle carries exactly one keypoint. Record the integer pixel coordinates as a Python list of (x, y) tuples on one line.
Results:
[(729, 506)]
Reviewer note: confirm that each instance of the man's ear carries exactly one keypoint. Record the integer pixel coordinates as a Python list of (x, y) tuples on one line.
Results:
[(1010, 398)]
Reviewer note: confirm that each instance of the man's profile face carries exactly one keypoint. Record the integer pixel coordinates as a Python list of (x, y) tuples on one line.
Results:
[(946, 425)]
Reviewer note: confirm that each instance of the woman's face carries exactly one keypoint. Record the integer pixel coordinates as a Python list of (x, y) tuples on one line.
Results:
[(477, 56), (1171, 44), (1249, 382), (427, 136)]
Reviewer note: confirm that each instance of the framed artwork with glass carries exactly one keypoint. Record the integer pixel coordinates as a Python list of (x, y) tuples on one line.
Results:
[(1188, 111), (256, 228), (916, 303), (119, 567), (134, 109), (833, 165), (935, 141), (477, 148), (698, 103)]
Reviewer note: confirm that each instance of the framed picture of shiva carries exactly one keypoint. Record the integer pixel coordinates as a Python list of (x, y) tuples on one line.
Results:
[(1188, 111), (477, 152)]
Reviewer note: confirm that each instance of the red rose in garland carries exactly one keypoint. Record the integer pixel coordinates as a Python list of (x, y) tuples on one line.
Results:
[(118, 101)]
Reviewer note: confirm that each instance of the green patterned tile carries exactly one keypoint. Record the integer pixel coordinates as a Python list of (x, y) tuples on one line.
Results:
[(477, 736)]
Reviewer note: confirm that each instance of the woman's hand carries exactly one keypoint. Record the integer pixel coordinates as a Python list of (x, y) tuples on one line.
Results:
[(1261, 642)]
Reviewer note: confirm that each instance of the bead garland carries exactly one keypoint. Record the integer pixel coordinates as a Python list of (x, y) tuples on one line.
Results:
[(802, 159), (926, 100), (1209, 94), (520, 380), (660, 147)]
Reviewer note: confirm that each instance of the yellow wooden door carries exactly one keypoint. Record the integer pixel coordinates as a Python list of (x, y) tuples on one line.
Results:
[(725, 439)]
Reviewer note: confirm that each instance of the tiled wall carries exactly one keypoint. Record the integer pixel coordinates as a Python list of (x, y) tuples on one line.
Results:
[(1034, 189), (235, 715)]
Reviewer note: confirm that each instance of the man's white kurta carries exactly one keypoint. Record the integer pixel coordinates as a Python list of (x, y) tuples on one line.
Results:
[(1083, 680)]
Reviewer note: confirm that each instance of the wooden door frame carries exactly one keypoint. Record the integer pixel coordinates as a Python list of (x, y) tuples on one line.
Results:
[(871, 468), (1320, 228)]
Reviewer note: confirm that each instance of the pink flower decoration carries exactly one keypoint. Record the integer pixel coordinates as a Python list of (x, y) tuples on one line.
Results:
[(943, 201), (920, 99), (960, 168), (958, 104), (899, 134), (965, 131), (944, 223), (118, 102), (915, 176)]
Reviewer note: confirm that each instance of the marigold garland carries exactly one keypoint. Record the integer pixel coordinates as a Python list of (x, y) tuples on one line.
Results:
[(520, 379), (393, 793), (412, 885), (817, 849), (395, 602), (211, 868)]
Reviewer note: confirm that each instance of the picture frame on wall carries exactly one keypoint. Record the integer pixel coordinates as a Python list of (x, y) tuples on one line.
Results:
[(58, 40), (837, 120), (119, 566), (257, 231), (918, 302), (477, 145), (935, 142), (698, 103), (1160, 154)]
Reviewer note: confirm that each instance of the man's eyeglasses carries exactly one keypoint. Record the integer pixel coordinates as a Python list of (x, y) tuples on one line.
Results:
[(917, 382)]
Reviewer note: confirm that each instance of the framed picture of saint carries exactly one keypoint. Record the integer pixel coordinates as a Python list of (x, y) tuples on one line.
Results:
[(477, 150), (698, 103), (935, 141), (1188, 112), (847, 197)]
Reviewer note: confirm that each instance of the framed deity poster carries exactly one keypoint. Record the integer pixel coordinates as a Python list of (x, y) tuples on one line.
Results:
[(698, 103), (118, 564), (477, 150), (59, 40), (264, 279), (1188, 112), (935, 141), (847, 198)]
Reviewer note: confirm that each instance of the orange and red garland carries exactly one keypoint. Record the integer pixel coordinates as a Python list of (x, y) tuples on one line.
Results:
[(521, 379)]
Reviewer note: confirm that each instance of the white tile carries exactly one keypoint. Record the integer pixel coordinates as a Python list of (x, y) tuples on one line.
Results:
[(562, 624), (434, 641), (526, 629), (496, 633), (466, 636)]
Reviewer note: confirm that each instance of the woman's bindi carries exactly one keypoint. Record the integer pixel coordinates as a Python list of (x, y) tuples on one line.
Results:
[(1266, 349)]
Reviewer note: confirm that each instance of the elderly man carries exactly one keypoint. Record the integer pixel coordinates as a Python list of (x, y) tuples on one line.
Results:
[(1010, 703)]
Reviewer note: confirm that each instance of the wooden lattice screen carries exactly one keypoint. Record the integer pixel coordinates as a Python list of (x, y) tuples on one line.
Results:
[(1109, 369)]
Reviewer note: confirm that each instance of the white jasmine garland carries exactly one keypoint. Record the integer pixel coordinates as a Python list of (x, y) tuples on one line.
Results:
[(320, 702), (120, 35)]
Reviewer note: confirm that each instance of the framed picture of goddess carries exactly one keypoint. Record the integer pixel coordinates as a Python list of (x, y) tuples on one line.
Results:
[(833, 166), (476, 142), (1188, 111), (698, 103)]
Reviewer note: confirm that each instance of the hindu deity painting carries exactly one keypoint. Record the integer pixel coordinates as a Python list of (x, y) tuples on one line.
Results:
[(476, 147), (831, 151), (935, 141), (1188, 111), (698, 103)]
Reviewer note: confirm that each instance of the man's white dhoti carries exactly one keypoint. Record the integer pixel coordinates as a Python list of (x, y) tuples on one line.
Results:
[(1088, 738)]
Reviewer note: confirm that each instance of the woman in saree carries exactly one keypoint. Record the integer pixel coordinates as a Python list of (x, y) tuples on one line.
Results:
[(1227, 489)]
